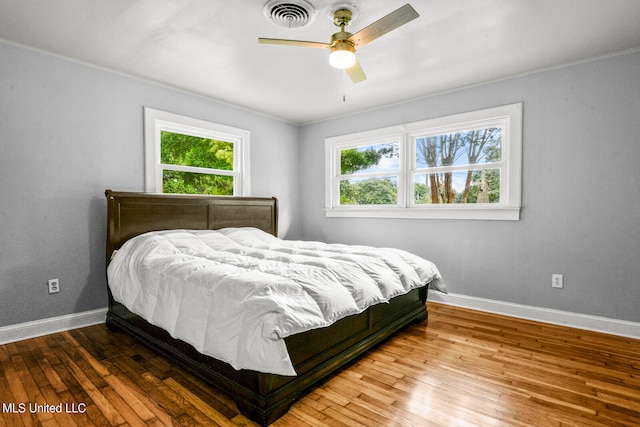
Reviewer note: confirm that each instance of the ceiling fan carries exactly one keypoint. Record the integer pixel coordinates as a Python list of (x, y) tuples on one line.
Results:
[(343, 44)]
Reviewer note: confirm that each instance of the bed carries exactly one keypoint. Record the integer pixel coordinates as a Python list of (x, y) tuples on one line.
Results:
[(314, 354)]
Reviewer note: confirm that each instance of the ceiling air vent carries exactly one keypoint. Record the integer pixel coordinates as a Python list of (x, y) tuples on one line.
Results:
[(290, 14)]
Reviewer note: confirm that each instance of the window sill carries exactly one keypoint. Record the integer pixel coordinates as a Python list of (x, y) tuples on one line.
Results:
[(500, 213)]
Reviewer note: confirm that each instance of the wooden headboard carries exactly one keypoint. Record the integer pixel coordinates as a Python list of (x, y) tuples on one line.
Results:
[(130, 214)]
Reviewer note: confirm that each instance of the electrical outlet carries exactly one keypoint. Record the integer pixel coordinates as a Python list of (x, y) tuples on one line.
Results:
[(54, 285), (557, 280)]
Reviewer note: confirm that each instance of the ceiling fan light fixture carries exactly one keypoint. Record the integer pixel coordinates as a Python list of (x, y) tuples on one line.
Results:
[(343, 55)]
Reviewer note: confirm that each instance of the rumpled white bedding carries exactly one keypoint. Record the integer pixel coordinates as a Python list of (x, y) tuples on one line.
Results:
[(236, 293)]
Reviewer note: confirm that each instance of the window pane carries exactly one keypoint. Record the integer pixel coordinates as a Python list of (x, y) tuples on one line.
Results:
[(374, 191), (459, 148), (474, 186), (370, 159), (196, 183), (188, 150)]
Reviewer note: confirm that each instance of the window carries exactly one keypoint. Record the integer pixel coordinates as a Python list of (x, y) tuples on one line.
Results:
[(369, 173), (464, 166), (192, 156)]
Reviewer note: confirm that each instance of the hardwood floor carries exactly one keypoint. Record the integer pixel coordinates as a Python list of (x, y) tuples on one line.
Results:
[(463, 368)]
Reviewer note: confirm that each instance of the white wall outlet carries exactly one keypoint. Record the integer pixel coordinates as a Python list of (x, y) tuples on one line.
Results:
[(557, 280), (54, 285)]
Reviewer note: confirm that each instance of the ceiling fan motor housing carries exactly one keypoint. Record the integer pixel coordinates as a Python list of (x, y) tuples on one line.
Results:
[(340, 40), (340, 37)]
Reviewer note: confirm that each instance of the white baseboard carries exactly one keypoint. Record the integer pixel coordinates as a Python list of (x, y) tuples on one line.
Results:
[(51, 325), (606, 325), (546, 315)]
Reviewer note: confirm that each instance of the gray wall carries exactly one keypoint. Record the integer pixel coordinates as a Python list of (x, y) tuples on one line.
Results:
[(581, 188), (68, 132)]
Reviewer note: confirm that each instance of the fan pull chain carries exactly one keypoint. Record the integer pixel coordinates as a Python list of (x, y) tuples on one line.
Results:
[(344, 85)]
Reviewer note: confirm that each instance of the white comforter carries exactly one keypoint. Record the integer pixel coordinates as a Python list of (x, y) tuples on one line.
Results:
[(236, 293)]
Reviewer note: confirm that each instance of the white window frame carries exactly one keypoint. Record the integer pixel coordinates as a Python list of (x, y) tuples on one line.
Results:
[(508, 117), (156, 121), (379, 136)]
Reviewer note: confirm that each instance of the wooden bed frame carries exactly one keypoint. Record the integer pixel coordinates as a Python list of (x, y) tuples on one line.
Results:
[(315, 354)]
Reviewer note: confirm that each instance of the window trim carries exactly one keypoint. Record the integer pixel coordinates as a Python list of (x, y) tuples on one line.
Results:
[(511, 183), (156, 121)]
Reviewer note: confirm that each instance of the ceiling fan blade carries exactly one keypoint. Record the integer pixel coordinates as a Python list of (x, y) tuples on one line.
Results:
[(294, 43), (356, 73), (383, 25)]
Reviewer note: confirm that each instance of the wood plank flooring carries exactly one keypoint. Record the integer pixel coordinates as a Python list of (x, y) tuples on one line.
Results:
[(461, 368)]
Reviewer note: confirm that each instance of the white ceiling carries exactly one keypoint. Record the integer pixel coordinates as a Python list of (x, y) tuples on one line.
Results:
[(210, 47)]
